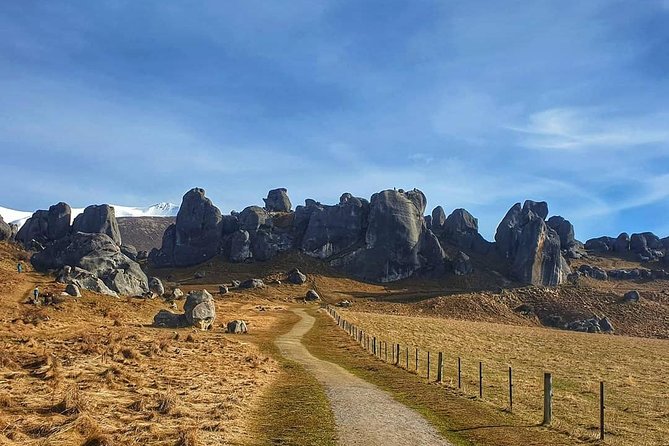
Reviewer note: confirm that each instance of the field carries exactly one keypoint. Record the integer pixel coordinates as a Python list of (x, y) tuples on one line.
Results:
[(634, 370), (92, 371)]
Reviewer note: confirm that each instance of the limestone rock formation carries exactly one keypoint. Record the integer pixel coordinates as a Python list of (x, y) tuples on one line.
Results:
[(240, 246), (296, 277), (462, 229), (45, 226), (397, 242), (196, 235), (98, 219), (156, 286), (531, 246), (101, 259), (334, 229), (277, 201), (237, 327)]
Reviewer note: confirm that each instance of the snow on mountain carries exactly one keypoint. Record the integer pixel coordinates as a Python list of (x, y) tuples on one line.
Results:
[(157, 210)]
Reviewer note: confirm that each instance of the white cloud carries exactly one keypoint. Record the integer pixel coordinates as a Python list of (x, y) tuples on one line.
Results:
[(574, 128)]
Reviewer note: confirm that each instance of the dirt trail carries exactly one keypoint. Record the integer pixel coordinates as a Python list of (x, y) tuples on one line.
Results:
[(365, 415)]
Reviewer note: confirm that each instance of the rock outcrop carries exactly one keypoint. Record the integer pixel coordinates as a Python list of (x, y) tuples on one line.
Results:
[(643, 247), (196, 235), (531, 246), (277, 201), (397, 242), (332, 230), (98, 258), (46, 226), (462, 229), (98, 219), (6, 232)]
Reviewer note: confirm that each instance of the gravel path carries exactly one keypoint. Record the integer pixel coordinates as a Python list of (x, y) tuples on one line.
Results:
[(364, 414)]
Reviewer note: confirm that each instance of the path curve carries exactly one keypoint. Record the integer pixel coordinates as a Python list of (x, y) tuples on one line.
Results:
[(364, 414)]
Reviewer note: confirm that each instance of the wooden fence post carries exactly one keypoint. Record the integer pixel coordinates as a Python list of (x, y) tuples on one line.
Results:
[(440, 367), (481, 379), (510, 389), (385, 347), (459, 373), (397, 355), (601, 410), (428, 365), (548, 398), (407, 357), (416, 360), (374, 345)]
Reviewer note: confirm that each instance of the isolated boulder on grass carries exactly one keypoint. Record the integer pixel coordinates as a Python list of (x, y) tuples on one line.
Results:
[(252, 283), (73, 290), (167, 319), (156, 286), (295, 276), (200, 310), (312, 295), (632, 296), (237, 327)]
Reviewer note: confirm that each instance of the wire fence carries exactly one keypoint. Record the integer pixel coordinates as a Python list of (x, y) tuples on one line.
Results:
[(430, 365)]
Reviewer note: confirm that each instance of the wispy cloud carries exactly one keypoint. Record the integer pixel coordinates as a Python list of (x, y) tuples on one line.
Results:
[(574, 128)]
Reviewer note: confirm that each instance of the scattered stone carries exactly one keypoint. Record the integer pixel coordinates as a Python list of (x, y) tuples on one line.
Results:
[(200, 274), (295, 276), (606, 325), (524, 309), (312, 295), (632, 296), (222, 289), (72, 290), (156, 286), (177, 294), (142, 255), (235, 283), (344, 304), (252, 283), (237, 327), (167, 319)]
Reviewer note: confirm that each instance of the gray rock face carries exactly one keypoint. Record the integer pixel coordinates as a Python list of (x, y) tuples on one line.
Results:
[(222, 289), (564, 229), (600, 244), (240, 246), (622, 243), (334, 229), (130, 251), (277, 201), (200, 310), (5, 230), (531, 246), (35, 228), (156, 286), (98, 219), (462, 229), (58, 221), (592, 325), (84, 279), (462, 265), (296, 277), (100, 257), (395, 240), (438, 220), (237, 327), (647, 246), (196, 235), (253, 218)]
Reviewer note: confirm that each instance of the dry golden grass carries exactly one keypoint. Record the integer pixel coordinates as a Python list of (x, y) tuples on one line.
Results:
[(92, 371), (634, 370)]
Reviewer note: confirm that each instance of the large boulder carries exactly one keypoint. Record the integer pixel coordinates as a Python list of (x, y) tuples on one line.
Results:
[(295, 276), (35, 228), (333, 229), (98, 219), (462, 265), (237, 327), (462, 229), (156, 286), (167, 319), (196, 235), (58, 221), (646, 246), (621, 245), (252, 218), (200, 310), (252, 283), (531, 246), (397, 242), (437, 220), (564, 229), (277, 201), (600, 244), (98, 255)]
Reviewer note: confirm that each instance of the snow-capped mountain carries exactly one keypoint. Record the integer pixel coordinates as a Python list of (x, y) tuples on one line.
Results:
[(157, 210)]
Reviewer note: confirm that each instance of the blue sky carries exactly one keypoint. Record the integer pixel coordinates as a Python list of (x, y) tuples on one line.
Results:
[(478, 104)]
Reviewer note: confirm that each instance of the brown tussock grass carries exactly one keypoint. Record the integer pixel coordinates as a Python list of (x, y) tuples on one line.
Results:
[(167, 402), (73, 402), (188, 437)]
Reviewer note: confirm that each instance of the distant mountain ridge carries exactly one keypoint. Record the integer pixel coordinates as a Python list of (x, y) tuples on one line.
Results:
[(163, 209)]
